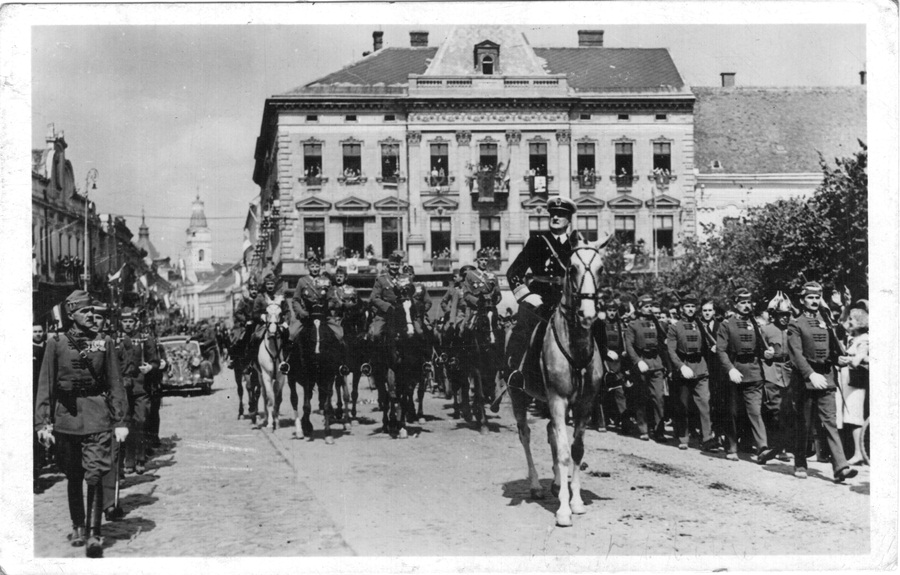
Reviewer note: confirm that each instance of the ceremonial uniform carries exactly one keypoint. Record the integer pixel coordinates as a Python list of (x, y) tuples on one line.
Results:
[(610, 338), (480, 288), (384, 298), (132, 352), (243, 319), (778, 372), (739, 348), (642, 343), (311, 297), (685, 344), (453, 305), (341, 300)]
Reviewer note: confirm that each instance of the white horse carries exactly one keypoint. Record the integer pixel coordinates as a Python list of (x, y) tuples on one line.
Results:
[(269, 357)]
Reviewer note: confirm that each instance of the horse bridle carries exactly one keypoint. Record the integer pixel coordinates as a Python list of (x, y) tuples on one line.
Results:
[(579, 295)]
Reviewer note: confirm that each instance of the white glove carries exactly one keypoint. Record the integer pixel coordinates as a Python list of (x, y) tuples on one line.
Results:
[(613, 356), (818, 381), (121, 433), (735, 376), (163, 364), (145, 368), (45, 436), (642, 366), (686, 372), (534, 299), (712, 349), (769, 353)]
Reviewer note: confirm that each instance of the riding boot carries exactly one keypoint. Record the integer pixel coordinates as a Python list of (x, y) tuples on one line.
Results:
[(94, 547)]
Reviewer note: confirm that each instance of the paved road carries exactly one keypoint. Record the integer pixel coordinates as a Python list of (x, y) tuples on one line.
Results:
[(222, 488)]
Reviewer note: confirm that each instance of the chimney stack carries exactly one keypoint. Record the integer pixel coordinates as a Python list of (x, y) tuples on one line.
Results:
[(377, 38), (590, 38), (727, 79), (862, 78), (418, 39)]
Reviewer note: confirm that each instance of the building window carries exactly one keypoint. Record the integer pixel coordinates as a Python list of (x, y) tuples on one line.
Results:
[(662, 117), (438, 167), (440, 237), (200, 255), (538, 224), (624, 228), (312, 160), (587, 226), (586, 165), (624, 164), (312, 118), (624, 117), (487, 155), (350, 118), (314, 236), (354, 237), (352, 160), (662, 156), (584, 117), (391, 236), (537, 159), (490, 232), (487, 66), (664, 231), (390, 162), (390, 118)]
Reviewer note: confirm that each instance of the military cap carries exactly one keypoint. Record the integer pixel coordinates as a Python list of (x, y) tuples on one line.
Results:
[(408, 269), (465, 269), (811, 288), (742, 293), (128, 313), (613, 304), (99, 307), (252, 284), (456, 271), (340, 270), (396, 257), (646, 299), (270, 276), (690, 298), (313, 259), (78, 299), (483, 253), (561, 204)]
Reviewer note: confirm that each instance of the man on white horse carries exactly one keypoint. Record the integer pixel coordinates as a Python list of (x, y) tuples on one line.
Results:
[(269, 296), (547, 254)]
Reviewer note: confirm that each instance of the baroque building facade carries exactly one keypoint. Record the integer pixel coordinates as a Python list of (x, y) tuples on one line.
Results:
[(441, 151)]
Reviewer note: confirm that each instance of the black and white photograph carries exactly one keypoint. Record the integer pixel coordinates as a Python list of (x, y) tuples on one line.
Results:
[(439, 287)]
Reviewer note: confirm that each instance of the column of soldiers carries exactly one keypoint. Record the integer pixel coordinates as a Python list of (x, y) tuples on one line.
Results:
[(96, 402)]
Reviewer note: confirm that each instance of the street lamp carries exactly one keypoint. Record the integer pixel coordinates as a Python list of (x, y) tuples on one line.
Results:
[(90, 183)]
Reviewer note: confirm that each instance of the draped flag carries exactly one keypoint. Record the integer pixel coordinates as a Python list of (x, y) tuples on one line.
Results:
[(118, 275)]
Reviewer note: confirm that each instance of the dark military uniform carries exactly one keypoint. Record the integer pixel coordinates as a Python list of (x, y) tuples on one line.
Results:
[(453, 306), (686, 348), (153, 383), (311, 295), (610, 337), (642, 343), (384, 297), (778, 372), (83, 411), (243, 319), (133, 351), (480, 288), (37, 358), (342, 299), (738, 348), (811, 351)]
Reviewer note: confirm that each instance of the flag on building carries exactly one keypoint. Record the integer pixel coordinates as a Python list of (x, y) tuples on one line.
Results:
[(118, 275), (57, 314)]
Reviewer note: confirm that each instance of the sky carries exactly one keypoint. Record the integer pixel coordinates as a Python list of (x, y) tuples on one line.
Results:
[(166, 112)]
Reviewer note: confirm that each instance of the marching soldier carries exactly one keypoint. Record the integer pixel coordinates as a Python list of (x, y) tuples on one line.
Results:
[(480, 287), (81, 406), (778, 372), (739, 345), (690, 375), (642, 343), (269, 296), (709, 326), (814, 354), (610, 337), (547, 256), (384, 296), (453, 304)]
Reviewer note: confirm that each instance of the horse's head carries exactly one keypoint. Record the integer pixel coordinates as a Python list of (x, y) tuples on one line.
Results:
[(582, 282), (273, 317)]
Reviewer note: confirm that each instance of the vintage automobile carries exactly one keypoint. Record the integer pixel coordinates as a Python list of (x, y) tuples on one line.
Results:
[(187, 368)]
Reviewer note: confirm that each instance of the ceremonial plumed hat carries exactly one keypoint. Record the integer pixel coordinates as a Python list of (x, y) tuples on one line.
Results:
[(77, 299), (742, 293), (811, 288), (396, 257), (779, 304), (562, 204), (690, 298)]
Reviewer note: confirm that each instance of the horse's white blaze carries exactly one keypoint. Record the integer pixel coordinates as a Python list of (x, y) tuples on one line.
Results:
[(407, 306), (317, 323), (491, 326)]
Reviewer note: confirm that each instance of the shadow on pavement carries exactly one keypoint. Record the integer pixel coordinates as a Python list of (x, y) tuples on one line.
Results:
[(48, 479), (125, 529), (519, 491), (862, 488)]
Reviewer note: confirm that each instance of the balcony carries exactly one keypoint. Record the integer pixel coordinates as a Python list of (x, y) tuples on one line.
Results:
[(538, 184), (313, 181), (624, 182), (586, 181), (662, 178), (441, 264), (390, 181), (439, 181), (488, 187), (352, 179)]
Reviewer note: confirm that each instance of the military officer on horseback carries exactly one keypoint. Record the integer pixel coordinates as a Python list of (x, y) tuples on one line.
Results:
[(384, 295), (480, 287), (269, 296), (453, 304), (547, 255), (420, 295), (342, 298), (311, 296), (243, 321)]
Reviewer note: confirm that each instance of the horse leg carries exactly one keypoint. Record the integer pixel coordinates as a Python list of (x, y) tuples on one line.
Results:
[(480, 418), (295, 401), (420, 413), (326, 385), (466, 382), (238, 379), (306, 427), (354, 394), (519, 402), (278, 381), (562, 456), (581, 417)]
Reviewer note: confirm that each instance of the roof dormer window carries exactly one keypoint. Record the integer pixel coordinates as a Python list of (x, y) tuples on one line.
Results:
[(487, 58), (487, 66)]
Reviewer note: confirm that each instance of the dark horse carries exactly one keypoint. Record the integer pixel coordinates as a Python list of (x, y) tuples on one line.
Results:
[(315, 359), (244, 374), (479, 353), (357, 355), (399, 358)]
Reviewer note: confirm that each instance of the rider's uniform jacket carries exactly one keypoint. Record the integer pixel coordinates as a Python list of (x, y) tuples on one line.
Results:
[(481, 284), (384, 292), (547, 264), (310, 291), (243, 313), (642, 343), (737, 347), (454, 295), (421, 300), (810, 348), (341, 299), (263, 300), (685, 346)]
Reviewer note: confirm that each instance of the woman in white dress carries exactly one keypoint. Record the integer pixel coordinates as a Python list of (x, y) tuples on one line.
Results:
[(854, 379)]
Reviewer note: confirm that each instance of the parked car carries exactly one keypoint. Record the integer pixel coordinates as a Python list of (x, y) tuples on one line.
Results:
[(187, 368)]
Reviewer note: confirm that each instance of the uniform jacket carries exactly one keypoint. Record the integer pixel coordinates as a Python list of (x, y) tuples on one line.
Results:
[(481, 284), (685, 345), (737, 348), (81, 405), (777, 370), (37, 358), (384, 294), (342, 299), (809, 347), (129, 352), (263, 300), (421, 300), (538, 257), (610, 334), (310, 291), (454, 295), (642, 343)]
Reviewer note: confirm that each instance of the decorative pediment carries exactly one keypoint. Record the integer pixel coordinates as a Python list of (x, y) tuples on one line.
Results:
[(351, 140), (313, 204), (352, 204), (439, 140), (535, 203), (589, 203), (623, 140), (663, 202), (586, 140), (487, 44), (537, 138), (391, 203), (389, 140), (487, 140), (662, 139), (625, 202), (312, 140), (440, 202)]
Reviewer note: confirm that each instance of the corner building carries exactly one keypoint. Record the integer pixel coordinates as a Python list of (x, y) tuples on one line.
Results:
[(444, 150)]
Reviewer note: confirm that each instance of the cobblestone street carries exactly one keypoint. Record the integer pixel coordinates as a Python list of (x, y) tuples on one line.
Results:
[(221, 488)]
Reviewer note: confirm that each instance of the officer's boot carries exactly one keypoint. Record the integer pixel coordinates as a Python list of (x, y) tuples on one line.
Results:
[(95, 516), (516, 352)]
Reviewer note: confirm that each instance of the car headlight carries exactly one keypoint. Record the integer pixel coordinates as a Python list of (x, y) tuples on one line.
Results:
[(195, 362)]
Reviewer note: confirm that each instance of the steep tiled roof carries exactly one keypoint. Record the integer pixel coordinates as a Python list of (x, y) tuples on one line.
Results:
[(605, 69), (776, 130), (383, 72)]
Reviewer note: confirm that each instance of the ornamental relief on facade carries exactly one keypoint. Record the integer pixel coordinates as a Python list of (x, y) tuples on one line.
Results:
[(449, 117)]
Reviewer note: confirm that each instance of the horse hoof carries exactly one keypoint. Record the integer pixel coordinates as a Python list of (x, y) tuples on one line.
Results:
[(578, 509), (403, 434), (308, 438), (329, 440), (563, 520), (482, 429), (537, 493)]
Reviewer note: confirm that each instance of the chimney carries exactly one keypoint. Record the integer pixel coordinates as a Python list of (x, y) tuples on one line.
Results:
[(727, 79), (590, 38), (377, 41), (418, 39), (862, 78)]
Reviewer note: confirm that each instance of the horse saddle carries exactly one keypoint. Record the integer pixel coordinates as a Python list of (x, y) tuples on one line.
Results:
[(531, 366)]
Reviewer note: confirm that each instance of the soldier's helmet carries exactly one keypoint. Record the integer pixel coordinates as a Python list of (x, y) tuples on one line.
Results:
[(779, 304), (396, 257), (811, 288), (564, 206)]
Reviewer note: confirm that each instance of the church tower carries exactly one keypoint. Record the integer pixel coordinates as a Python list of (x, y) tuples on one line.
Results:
[(198, 251)]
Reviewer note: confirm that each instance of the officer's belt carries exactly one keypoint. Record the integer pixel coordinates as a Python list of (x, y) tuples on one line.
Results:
[(745, 358), (821, 367), (779, 358), (82, 388), (547, 280), (649, 353), (690, 357)]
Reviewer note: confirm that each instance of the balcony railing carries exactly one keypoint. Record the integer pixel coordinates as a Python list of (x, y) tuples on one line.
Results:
[(662, 179), (441, 264), (489, 187), (585, 181), (538, 184), (313, 181), (624, 181), (439, 181), (352, 180), (390, 180)]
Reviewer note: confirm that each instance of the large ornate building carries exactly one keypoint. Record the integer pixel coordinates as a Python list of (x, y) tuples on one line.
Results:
[(444, 150)]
